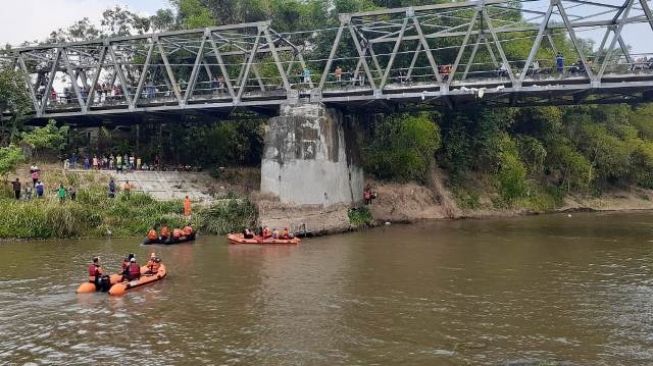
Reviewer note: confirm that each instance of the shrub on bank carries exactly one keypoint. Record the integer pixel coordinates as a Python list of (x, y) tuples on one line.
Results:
[(94, 214)]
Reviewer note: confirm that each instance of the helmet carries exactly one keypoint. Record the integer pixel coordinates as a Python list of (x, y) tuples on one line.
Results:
[(132, 260), (152, 255)]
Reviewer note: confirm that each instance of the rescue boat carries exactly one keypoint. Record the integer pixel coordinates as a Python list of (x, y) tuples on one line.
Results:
[(240, 239), (170, 241), (121, 288), (89, 287)]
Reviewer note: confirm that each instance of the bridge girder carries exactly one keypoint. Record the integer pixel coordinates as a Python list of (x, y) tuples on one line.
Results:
[(464, 48)]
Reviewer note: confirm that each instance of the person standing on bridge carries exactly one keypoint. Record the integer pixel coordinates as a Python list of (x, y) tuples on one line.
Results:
[(307, 76), (338, 74), (560, 63)]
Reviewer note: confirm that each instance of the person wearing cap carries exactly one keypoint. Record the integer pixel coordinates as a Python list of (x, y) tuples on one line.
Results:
[(152, 264), (133, 271), (95, 272)]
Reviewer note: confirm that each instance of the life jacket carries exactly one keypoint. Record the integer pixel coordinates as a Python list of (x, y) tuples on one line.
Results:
[(165, 232), (134, 270), (125, 265), (285, 234), (186, 207), (152, 235), (188, 231), (176, 233), (155, 267), (93, 272), (367, 195)]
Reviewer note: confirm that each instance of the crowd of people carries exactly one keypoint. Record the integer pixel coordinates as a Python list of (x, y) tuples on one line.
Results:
[(267, 233), (27, 191), (165, 234), (118, 162)]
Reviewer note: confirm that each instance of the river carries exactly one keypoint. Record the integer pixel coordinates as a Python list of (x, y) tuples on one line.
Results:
[(538, 290)]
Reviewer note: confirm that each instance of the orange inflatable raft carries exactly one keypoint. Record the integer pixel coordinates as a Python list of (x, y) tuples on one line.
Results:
[(121, 288), (240, 239), (89, 287)]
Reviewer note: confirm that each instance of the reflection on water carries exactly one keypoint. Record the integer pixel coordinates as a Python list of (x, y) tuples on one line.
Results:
[(526, 290)]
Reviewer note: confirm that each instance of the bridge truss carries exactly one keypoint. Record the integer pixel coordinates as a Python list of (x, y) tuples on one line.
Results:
[(501, 52)]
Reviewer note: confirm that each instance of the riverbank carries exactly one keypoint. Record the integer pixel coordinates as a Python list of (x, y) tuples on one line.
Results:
[(94, 214), (411, 203), (230, 201)]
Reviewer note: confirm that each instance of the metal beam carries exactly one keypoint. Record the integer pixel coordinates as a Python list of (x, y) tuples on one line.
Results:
[(28, 82), (536, 44), (48, 89), (461, 51), (395, 49), (617, 35), (498, 45), (223, 69), (121, 75), (248, 66), (96, 77), (171, 75), (574, 40), (73, 79), (141, 82), (361, 56), (277, 60), (196, 68), (332, 54)]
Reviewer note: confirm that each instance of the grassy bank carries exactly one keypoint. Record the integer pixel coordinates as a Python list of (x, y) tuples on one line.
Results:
[(94, 214)]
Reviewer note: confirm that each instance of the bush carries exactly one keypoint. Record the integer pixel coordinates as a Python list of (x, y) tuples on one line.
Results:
[(360, 216), (402, 148), (226, 216)]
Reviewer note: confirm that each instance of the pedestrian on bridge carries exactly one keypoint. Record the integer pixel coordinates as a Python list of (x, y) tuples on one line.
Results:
[(560, 63), (338, 74), (307, 76)]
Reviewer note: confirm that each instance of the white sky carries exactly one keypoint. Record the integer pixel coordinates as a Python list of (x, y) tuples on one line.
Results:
[(30, 20)]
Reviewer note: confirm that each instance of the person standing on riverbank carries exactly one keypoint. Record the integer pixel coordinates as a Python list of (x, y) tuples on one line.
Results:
[(35, 173), (187, 208), (127, 188), (112, 189), (72, 191), (16, 187), (61, 193), (40, 189)]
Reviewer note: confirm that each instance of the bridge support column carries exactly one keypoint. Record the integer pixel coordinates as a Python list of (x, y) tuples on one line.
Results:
[(311, 158)]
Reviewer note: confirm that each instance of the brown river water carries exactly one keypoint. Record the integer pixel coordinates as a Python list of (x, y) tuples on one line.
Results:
[(542, 290)]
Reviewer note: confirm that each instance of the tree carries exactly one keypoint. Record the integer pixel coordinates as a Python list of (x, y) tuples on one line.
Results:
[(49, 138), (10, 157), (14, 101)]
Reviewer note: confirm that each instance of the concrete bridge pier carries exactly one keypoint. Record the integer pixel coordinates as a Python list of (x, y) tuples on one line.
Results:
[(311, 158)]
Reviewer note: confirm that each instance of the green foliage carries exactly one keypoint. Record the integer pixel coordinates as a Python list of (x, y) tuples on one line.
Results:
[(511, 173), (360, 216), (232, 215), (402, 148), (10, 157), (48, 138)]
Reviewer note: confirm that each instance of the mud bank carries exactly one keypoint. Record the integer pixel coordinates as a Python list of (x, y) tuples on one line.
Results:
[(410, 203)]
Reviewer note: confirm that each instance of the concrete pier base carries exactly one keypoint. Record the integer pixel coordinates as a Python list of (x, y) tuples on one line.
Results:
[(309, 159)]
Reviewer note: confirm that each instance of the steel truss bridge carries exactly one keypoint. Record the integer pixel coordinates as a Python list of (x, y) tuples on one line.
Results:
[(436, 55)]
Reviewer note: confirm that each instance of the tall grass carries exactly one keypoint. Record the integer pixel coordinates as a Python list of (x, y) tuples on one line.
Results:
[(232, 215)]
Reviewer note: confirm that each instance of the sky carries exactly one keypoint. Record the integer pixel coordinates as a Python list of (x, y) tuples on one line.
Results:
[(30, 20)]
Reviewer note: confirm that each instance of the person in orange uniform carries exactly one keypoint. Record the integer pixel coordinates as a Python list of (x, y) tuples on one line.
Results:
[(125, 263), (267, 233), (150, 264), (285, 234), (95, 272), (188, 230), (156, 264), (187, 210), (165, 233), (177, 233), (152, 234)]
